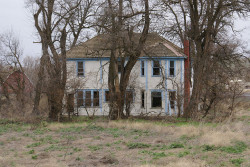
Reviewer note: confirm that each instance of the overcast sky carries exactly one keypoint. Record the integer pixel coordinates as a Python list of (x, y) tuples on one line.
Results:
[(14, 16)]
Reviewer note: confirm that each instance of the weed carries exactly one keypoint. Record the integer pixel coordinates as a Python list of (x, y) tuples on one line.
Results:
[(34, 145), (95, 148), (1, 143), (176, 145), (117, 142), (79, 159), (72, 129), (75, 149), (48, 139), (182, 154), (239, 147), (34, 157), (94, 127), (97, 138), (237, 162), (108, 144), (41, 131), (138, 145), (69, 137), (55, 148), (31, 151), (154, 155), (208, 148)]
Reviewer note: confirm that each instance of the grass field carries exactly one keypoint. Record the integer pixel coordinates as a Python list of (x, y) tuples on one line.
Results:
[(132, 142)]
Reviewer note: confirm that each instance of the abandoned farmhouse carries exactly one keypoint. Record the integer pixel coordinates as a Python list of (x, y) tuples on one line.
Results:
[(155, 82)]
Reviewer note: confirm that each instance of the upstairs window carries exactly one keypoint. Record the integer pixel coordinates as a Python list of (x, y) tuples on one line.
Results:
[(80, 68), (142, 68), (172, 68), (172, 98), (156, 99), (156, 68)]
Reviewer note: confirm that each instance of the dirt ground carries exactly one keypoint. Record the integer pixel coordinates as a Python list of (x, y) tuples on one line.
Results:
[(131, 143)]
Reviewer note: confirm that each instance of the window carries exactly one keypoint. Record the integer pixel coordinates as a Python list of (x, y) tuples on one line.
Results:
[(129, 96), (80, 68), (143, 99), (96, 98), (107, 96), (156, 68), (156, 99), (142, 68), (88, 98), (172, 98), (171, 68), (79, 98), (119, 63)]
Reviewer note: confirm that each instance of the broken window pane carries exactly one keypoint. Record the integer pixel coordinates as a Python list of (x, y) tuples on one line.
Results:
[(156, 99)]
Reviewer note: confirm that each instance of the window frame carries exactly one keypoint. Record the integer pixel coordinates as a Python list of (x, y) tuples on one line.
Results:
[(157, 91), (105, 98), (77, 68), (174, 104), (142, 98), (169, 68), (142, 68), (153, 63), (91, 98)]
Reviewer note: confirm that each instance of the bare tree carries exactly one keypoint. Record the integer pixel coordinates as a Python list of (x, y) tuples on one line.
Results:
[(203, 23), (56, 21), (121, 19)]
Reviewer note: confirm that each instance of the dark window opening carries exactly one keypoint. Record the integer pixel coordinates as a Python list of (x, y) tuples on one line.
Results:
[(96, 99), (79, 98), (142, 68), (119, 63), (156, 99), (171, 68), (142, 99), (107, 96), (88, 99), (129, 97), (172, 99), (156, 67), (80, 70)]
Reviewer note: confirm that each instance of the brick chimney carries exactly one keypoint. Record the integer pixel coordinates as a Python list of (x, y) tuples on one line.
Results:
[(186, 74)]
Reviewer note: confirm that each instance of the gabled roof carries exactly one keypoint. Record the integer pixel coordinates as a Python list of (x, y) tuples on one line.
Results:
[(100, 46)]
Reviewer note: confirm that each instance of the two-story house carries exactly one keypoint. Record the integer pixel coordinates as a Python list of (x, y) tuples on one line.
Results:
[(156, 81)]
